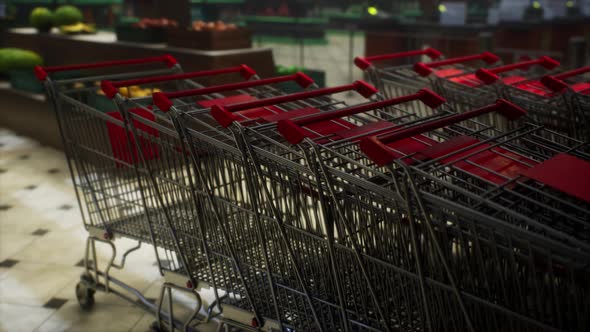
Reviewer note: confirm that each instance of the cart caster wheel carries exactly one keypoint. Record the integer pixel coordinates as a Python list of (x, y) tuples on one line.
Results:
[(155, 327), (85, 296)]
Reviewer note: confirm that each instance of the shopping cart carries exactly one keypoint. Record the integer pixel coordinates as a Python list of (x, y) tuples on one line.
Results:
[(205, 241), (510, 81), (285, 169), (542, 245), (518, 320), (282, 180), (279, 264), (574, 87), (108, 164), (487, 170), (399, 79), (467, 90), (107, 191), (457, 71), (405, 79)]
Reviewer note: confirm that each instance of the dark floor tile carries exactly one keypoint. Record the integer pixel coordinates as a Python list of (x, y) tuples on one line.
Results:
[(3, 170), (4, 207), (66, 207), (24, 157), (31, 187), (40, 232), (8, 263), (53, 171), (55, 303)]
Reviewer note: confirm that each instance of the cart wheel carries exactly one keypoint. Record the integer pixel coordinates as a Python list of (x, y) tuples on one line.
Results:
[(155, 327), (85, 294)]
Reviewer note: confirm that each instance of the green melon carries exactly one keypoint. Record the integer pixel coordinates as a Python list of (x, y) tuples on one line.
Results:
[(16, 59), (67, 15), (41, 18)]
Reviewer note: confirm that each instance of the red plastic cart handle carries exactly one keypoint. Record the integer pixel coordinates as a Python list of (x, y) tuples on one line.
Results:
[(376, 149), (225, 117), (162, 99), (489, 76), (110, 88), (294, 134), (424, 69), (42, 72), (556, 83), (365, 62)]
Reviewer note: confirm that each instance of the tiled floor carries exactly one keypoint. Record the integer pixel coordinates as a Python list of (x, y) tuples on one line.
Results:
[(41, 244)]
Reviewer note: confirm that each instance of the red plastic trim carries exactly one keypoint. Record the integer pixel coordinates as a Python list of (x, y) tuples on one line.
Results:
[(489, 76), (166, 59), (40, 73), (109, 89), (160, 100), (378, 152), (556, 83), (565, 173), (300, 78), (356, 86), (365, 62), (424, 69), (205, 73), (292, 131), (222, 116), (502, 106)]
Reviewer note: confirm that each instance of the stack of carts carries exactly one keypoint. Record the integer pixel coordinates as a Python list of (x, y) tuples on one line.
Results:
[(558, 101), (302, 213)]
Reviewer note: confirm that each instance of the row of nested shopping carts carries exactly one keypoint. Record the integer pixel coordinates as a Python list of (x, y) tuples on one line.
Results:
[(560, 100), (298, 212)]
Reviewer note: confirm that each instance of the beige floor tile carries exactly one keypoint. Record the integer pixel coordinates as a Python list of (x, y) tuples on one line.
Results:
[(45, 196), (23, 220), (11, 244), (143, 325), (34, 284), (101, 318), (64, 248), (22, 318)]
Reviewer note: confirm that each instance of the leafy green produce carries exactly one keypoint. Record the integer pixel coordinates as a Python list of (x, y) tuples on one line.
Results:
[(67, 15), (16, 58)]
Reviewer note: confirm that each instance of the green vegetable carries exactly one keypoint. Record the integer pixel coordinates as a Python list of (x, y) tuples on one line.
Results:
[(16, 58), (41, 18), (67, 15)]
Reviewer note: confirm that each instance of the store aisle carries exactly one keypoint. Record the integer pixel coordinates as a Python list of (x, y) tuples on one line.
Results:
[(333, 57)]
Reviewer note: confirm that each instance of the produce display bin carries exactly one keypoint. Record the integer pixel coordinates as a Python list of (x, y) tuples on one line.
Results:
[(25, 80), (130, 33), (210, 39)]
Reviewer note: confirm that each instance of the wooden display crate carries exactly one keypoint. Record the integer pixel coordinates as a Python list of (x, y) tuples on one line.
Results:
[(130, 33), (210, 39)]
